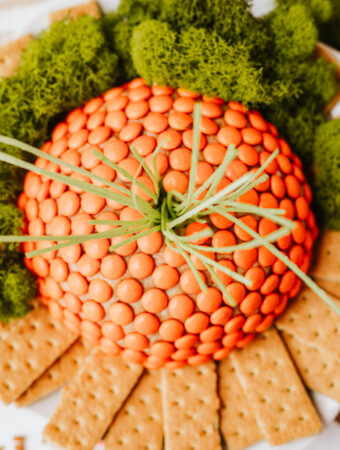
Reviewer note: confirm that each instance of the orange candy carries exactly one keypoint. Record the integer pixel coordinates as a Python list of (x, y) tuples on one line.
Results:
[(209, 300), (181, 306), (189, 283), (144, 284), (165, 277), (121, 313), (146, 323), (129, 290), (171, 329), (175, 181), (154, 300), (113, 266), (150, 244), (172, 258), (141, 265), (100, 290)]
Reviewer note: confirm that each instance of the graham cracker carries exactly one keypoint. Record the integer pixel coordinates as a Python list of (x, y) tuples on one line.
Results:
[(311, 320), (32, 344), (236, 410), (139, 424), (190, 408), (90, 401), (330, 286), (90, 8), (10, 55), (60, 373), (319, 372), (327, 256), (4, 329), (282, 407)]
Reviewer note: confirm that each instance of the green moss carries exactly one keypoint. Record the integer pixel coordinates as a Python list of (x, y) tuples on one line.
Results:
[(297, 123), (118, 27), (294, 31), (17, 289), (11, 223), (322, 10), (329, 31), (327, 172), (67, 65), (196, 59), (135, 11)]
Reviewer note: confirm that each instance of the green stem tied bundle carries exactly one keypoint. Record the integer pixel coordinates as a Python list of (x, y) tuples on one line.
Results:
[(171, 213)]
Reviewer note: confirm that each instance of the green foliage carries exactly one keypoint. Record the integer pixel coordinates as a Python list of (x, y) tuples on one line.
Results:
[(67, 65), (329, 31), (118, 27), (327, 172), (322, 10), (327, 15), (11, 222), (297, 123), (17, 288), (197, 59), (294, 31)]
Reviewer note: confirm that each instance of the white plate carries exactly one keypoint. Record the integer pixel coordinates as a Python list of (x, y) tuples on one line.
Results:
[(31, 17)]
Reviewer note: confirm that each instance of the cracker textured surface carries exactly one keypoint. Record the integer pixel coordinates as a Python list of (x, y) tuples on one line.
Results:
[(32, 344), (4, 330), (139, 424), (327, 256), (190, 408), (282, 407), (319, 372), (85, 9), (90, 401), (311, 320), (330, 286), (236, 410), (10, 55), (60, 373)]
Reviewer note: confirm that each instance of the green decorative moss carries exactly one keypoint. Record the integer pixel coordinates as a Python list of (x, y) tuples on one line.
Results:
[(329, 31), (322, 10), (118, 27), (327, 172), (294, 32), (197, 59), (17, 289), (67, 65), (11, 222)]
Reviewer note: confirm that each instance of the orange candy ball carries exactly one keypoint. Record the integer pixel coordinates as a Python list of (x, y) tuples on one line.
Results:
[(141, 300)]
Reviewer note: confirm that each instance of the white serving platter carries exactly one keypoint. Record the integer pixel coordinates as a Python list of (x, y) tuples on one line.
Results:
[(18, 17)]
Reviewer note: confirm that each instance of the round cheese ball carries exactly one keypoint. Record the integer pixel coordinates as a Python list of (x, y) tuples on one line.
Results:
[(143, 301)]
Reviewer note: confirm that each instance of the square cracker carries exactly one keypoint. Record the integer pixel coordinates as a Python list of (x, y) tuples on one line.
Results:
[(32, 344), (236, 410), (10, 55), (139, 424), (319, 372), (311, 320), (190, 408), (282, 407), (60, 373), (90, 401), (4, 329), (90, 8), (327, 256), (330, 286)]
